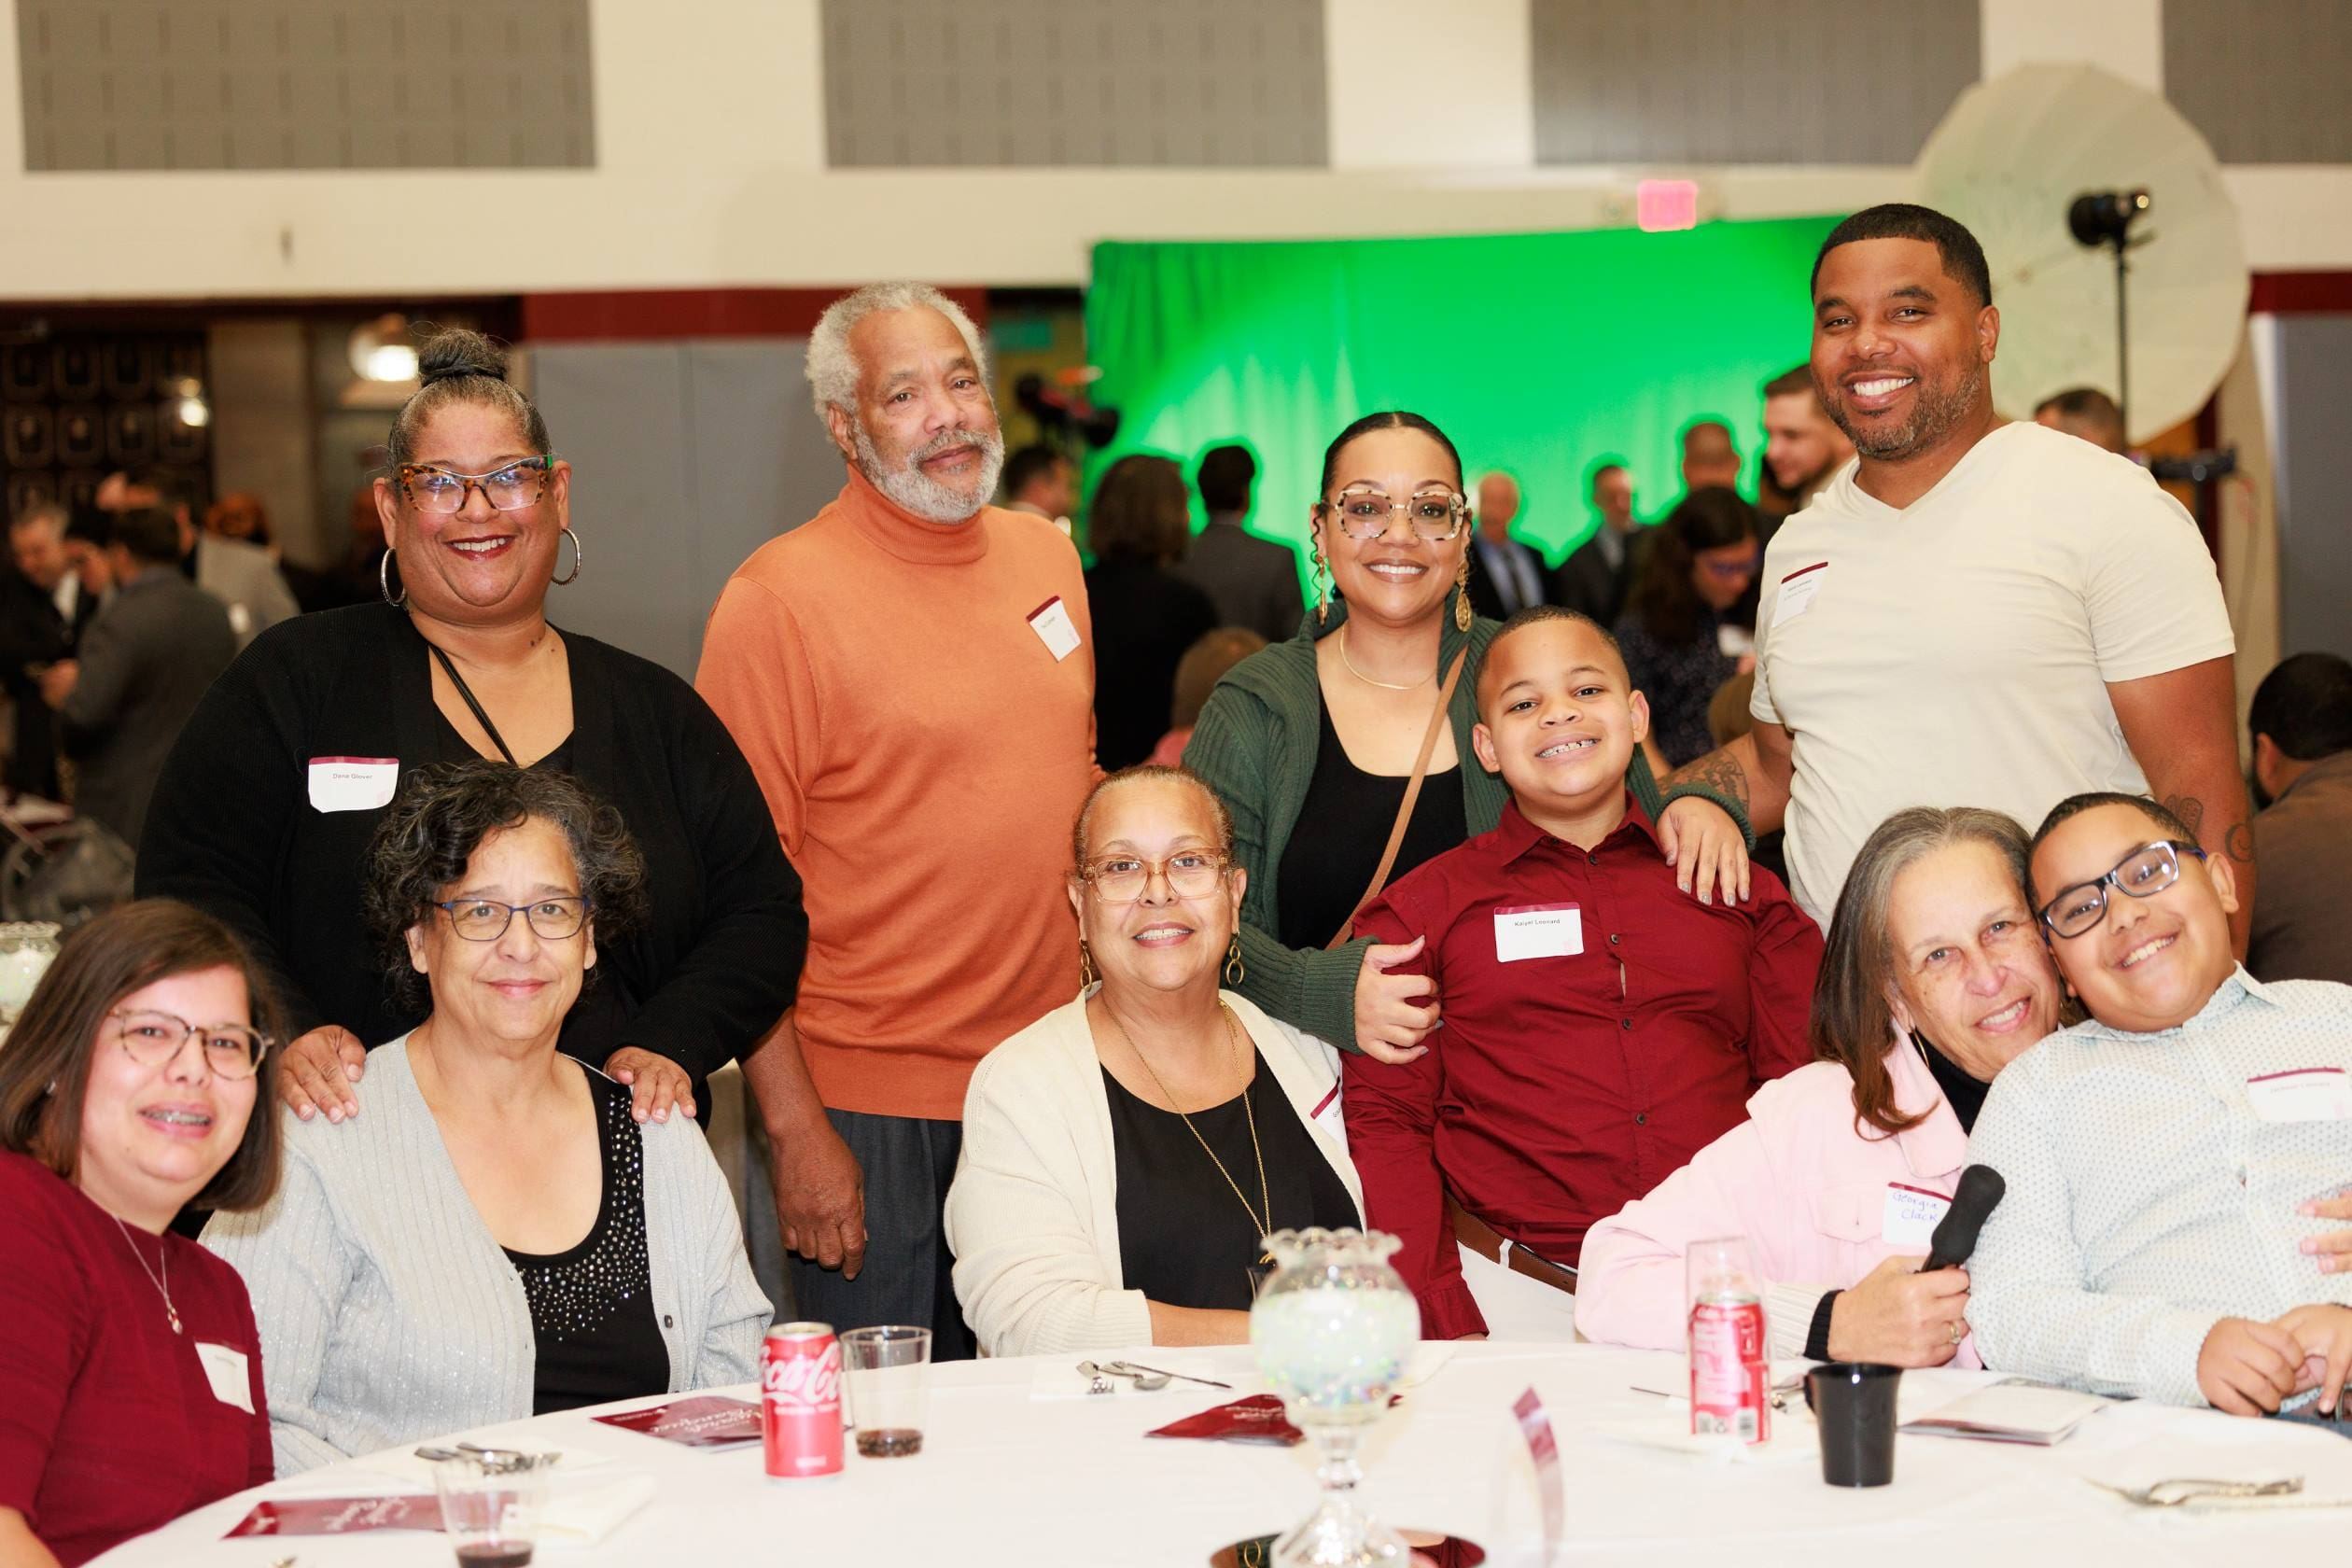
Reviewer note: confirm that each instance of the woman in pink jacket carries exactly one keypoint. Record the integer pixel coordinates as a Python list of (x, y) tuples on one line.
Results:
[(1934, 980)]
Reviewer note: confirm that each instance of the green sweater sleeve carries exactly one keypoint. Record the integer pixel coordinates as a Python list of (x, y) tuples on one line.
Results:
[(1311, 989)]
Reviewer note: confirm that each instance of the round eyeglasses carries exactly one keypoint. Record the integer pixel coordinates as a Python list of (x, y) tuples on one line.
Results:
[(1122, 878), (443, 492), (1364, 510), (2144, 873), (551, 919), (151, 1039)]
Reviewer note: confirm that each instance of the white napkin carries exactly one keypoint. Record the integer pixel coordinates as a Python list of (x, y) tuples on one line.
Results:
[(1061, 1380), (404, 1465), (583, 1512), (1793, 1438)]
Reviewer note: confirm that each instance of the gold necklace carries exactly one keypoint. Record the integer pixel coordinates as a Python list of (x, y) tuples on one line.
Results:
[(1383, 685), (1264, 1222), (162, 1286)]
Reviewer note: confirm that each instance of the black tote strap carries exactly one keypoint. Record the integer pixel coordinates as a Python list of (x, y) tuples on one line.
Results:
[(466, 692)]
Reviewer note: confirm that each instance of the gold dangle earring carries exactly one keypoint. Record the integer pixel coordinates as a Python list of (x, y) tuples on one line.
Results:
[(1234, 972), (1322, 589), (1461, 593), (1087, 974)]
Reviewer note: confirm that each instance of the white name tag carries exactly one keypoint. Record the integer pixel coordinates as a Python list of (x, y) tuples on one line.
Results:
[(1796, 592), (352, 783), (1913, 1215), (225, 1369), (1538, 930), (1051, 622), (1327, 1116), (2307, 1093)]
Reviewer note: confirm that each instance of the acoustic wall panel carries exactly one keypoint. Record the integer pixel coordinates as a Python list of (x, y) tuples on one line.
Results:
[(304, 84), (1046, 83), (2268, 81), (1738, 81)]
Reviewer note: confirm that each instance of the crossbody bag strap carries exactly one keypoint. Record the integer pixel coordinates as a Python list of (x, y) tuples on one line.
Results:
[(1412, 794), (466, 692)]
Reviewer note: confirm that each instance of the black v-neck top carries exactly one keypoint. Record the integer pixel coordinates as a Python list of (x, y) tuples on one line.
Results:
[(592, 1305), (1185, 1238), (1342, 828)]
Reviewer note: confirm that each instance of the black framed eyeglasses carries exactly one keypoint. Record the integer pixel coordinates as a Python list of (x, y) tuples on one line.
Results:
[(2144, 873), (551, 919), (1364, 511), (151, 1039), (443, 492)]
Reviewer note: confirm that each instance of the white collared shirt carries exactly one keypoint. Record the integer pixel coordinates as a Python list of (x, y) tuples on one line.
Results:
[(2149, 1195)]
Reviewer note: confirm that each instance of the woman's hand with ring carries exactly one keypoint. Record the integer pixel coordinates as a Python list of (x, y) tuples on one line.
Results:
[(655, 1082)]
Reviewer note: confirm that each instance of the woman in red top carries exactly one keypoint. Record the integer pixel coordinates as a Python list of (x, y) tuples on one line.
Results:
[(130, 1371)]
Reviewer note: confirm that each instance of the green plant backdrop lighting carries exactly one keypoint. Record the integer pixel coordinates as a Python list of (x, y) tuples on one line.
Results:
[(1542, 355)]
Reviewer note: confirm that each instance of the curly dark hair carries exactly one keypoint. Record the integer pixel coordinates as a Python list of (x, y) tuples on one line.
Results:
[(442, 815)]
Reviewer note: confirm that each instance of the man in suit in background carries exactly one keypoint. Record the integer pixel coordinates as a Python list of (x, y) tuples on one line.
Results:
[(1505, 576), (144, 665), (1593, 580), (240, 576), (43, 610), (1043, 483), (1253, 582)]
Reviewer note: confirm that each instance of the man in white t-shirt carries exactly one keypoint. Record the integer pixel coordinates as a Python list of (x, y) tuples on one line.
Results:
[(1976, 612)]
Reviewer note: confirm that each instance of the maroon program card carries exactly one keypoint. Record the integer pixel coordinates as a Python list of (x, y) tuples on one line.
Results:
[(338, 1516), (704, 1421), (1259, 1419)]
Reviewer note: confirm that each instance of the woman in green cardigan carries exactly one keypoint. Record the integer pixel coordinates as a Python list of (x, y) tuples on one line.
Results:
[(1310, 743)]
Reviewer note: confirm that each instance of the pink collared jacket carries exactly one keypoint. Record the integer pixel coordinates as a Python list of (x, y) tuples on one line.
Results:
[(1801, 1181)]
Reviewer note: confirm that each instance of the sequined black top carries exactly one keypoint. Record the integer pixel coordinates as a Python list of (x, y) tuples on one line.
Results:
[(591, 1307)]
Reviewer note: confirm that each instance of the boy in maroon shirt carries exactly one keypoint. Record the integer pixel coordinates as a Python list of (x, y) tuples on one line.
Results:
[(1599, 1026)]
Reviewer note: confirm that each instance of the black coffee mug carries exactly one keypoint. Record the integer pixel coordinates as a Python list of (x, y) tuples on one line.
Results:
[(1853, 1403)]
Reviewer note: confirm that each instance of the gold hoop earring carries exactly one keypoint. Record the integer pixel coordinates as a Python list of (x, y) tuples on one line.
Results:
[(1235, 972), (383, 579), (1322, 589), (579, 557), (1461, 593), (1087, 974)]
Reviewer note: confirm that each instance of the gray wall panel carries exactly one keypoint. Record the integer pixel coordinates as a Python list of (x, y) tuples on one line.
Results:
[(1734, 81), (1044, 83), (2315, 483), (2268, 81)]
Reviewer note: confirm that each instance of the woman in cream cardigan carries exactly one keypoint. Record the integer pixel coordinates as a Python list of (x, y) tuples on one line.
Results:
[(1124, 1155), (497, 1236)]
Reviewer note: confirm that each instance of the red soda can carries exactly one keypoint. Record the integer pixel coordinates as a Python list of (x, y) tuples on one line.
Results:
[(800, 1400), (1730, 1371)]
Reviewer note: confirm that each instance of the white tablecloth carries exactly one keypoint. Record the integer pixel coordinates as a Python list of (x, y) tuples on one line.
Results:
[(1007, 1479)]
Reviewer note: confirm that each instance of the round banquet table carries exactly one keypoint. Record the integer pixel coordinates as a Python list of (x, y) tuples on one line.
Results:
[(1010, 1476)]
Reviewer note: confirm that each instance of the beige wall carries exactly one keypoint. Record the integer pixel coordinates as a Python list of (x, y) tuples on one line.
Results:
[(711, 173)]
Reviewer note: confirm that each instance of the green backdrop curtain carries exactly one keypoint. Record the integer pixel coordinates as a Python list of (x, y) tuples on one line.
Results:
[(1542, 355)]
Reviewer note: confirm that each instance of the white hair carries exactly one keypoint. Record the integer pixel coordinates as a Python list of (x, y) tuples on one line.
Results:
[(833, 369)]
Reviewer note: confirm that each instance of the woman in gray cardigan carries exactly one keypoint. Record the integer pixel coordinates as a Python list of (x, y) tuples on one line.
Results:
[(497, 1237)]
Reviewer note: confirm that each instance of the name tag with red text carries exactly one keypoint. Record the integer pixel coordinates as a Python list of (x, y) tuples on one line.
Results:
[(1538, 930), (2304, 1094), (1054, 627)]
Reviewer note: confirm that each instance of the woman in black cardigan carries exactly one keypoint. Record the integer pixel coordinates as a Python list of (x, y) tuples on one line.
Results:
[(264, 810)]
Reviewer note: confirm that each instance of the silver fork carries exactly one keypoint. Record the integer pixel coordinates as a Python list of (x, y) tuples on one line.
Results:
[(1100, 1382), (2173, 1493)]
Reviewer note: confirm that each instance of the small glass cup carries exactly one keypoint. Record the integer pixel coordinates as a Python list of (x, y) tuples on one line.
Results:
[(490, 1501), (886, 1373), (26, 950)]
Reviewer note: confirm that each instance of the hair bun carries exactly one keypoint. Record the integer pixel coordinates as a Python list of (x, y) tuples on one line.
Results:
[(460, 350)]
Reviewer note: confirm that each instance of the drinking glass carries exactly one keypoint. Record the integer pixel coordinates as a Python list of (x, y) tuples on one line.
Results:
[(1332, 1330), (490, 1501), (26, 950), (887, 1374)]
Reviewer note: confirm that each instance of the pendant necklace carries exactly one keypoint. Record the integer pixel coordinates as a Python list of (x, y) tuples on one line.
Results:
[(1383, 685), (1262, 1216), (162, 1286)]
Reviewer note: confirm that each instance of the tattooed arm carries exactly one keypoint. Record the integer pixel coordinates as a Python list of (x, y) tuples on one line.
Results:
[(1754, 771), (2183, 729)]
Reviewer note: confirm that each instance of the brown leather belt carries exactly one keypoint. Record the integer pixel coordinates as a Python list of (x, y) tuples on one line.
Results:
[(1493, 1246)]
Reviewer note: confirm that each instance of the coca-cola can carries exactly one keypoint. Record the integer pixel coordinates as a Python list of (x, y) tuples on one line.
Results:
[(1730, 1371), (800, 1400)]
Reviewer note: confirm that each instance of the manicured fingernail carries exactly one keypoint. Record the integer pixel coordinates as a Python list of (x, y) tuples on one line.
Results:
[(2308, 1245), (334, 1113), (306, 1113), (2306, 1209)]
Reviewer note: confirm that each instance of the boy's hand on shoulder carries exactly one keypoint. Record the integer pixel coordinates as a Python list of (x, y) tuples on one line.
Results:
[(2325, 1335), (1390, 1022), (2245, 1368)]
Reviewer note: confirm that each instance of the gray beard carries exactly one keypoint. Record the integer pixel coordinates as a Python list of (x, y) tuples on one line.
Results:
[(910, 488), (1934, 414)]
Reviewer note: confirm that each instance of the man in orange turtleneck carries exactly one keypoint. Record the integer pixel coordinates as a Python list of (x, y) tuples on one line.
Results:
[(911, 674)]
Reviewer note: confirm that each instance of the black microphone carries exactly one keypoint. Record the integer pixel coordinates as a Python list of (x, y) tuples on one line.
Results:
[(1979, 1194)]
